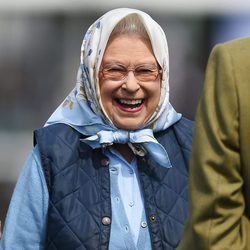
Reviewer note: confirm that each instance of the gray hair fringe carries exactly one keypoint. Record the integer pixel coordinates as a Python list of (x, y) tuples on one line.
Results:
[(130, 25)]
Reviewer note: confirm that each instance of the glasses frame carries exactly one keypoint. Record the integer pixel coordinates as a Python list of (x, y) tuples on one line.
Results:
[(158, 72)]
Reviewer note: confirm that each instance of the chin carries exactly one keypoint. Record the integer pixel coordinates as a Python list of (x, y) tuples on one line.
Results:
[(128, 126)]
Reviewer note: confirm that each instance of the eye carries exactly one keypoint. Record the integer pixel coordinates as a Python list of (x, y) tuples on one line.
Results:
[(115, 69), (145, 69)]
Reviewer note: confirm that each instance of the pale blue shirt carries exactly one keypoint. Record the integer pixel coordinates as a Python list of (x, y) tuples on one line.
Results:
[(25, 224)]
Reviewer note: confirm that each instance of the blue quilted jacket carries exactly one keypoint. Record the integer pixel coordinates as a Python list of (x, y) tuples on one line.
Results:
[(78, 181)]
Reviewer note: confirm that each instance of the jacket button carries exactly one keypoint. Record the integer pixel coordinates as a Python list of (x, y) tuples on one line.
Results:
[(152, 217), (106, 221), (144, 224), (105, 162)]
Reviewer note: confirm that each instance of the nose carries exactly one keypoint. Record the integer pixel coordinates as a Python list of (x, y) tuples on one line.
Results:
[(131, 84)]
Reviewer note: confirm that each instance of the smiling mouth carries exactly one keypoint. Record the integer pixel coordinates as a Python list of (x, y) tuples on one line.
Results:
[(130, 103)]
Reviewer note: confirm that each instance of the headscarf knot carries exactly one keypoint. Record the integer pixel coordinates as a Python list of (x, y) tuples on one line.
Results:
[(143, 137)]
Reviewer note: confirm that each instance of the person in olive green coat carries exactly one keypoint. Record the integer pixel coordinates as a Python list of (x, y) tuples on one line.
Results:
[(220, 165)]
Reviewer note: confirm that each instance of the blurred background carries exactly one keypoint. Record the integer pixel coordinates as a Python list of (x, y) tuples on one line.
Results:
[(39, 57)]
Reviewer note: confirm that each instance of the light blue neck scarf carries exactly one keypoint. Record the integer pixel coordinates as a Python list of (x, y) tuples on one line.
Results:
[(83, 110)]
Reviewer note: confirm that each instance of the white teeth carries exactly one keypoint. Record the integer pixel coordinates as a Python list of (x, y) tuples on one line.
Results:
[(130, 102)]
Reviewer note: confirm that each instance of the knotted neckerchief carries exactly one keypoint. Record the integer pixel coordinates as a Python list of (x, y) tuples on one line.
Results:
[(83, 110), (143, 137)]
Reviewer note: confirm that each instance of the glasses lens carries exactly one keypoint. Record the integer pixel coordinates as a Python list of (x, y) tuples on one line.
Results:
[(142, 73), (114, 72), (146, 73)]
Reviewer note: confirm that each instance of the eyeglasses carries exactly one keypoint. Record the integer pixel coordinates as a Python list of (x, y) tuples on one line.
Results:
[(143, 72)]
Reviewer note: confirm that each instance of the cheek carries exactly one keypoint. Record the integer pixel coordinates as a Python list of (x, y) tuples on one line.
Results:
[(106, 97), (106, 102), (108, 89), (103, 96), (105, 92), (102, 87), (156, 92)]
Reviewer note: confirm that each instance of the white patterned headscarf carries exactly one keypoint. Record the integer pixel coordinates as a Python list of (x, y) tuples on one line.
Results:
[(83, 110)]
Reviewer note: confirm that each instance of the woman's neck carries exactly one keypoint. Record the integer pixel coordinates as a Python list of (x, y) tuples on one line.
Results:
[(125, 151)]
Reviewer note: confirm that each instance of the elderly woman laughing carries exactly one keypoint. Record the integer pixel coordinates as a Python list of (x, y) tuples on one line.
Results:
[(109, 170)]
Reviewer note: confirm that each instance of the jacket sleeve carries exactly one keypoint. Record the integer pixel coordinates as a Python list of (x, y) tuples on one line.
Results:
[(217, 219), (25, 224)]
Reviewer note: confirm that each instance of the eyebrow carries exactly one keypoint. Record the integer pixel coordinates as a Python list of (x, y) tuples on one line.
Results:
[(125, 64)]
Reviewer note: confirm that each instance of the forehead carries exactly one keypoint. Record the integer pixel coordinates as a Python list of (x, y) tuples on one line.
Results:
[(129, 48)]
